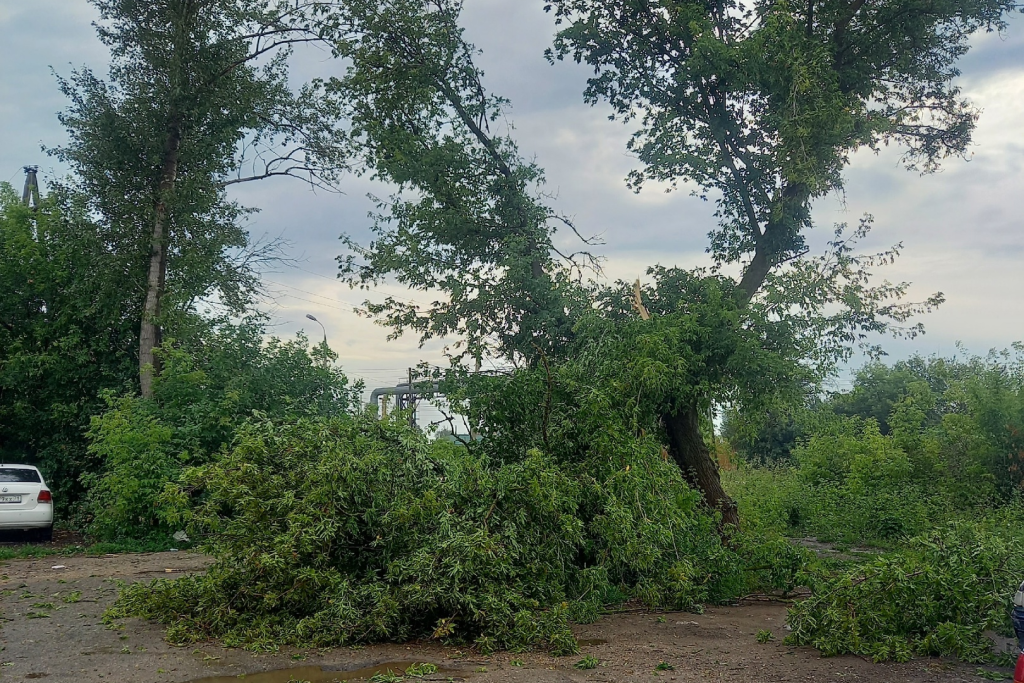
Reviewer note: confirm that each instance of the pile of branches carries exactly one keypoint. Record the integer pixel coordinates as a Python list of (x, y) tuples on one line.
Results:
[(336, 531)]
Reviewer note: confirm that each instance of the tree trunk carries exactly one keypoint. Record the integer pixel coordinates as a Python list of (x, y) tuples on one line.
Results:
[(149, 332), (687, 447), (754, 275)]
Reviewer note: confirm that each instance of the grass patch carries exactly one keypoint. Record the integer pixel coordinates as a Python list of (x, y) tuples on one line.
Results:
[(29, 551)]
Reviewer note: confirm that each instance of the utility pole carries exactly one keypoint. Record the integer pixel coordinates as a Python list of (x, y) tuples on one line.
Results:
[(30, 195)]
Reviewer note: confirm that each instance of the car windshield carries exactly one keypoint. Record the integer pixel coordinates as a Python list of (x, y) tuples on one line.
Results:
[(19, 475)]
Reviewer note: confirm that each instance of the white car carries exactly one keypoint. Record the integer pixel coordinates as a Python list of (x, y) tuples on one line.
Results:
[(25, 501)]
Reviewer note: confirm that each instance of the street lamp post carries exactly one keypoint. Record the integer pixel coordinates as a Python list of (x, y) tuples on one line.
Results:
[(321, 326)]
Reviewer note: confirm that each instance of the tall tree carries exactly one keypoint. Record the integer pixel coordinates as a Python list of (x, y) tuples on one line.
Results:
[(761, 105), (197, 99), (467, 222)]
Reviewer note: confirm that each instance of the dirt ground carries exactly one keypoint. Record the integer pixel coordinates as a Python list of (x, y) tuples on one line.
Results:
[(51, 630)]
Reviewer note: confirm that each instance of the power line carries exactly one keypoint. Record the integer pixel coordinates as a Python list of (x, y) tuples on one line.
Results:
[(316, 303), (328, 298), (372, 289)]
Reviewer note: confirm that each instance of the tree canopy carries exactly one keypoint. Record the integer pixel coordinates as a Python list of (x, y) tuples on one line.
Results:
[(468, 221), (761, 104), (197, 99)]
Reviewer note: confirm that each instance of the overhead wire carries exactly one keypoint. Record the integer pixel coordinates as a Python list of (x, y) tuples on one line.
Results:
[(321, 296), (372, 289)]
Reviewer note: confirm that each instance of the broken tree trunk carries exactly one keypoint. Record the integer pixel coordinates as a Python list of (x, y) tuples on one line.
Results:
[(691, 454)]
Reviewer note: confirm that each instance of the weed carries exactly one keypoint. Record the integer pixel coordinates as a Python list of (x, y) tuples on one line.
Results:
[(420, 670), (588, 662), (387, 677)]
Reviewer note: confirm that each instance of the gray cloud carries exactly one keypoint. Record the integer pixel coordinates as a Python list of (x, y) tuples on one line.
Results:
[(961, 228)]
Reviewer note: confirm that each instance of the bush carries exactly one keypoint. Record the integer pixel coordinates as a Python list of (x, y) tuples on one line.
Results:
[(346, 530), (206, 390), (771, 500), (937, 596), (135, 448), (853, 484)]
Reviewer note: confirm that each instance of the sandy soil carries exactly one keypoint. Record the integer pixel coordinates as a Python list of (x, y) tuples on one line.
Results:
[(51, 630)]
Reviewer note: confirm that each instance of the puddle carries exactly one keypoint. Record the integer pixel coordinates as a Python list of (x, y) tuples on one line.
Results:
[(591, 642), (315, 674)]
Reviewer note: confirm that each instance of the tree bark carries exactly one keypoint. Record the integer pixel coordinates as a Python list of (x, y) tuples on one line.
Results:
[(687, 448), (149, 332), (755, 274)]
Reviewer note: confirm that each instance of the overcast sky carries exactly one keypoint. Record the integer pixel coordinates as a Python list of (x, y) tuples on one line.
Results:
[(960, 228)]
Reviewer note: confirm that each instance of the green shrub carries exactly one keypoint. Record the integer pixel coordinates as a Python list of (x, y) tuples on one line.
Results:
[(936, 596), (136, 450), (346, 530), (770, 499), (853, 484), (204, 393)]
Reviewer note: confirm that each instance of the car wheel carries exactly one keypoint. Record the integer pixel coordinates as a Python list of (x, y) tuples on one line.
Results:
[(45, 535)]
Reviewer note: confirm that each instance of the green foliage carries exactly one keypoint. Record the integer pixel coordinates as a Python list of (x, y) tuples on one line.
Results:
[(347, 530), (866, 487), (138, 461), (937, 596), (946, 449), (768, 438), (765, 636), (762, 104), (65, 334), (773, 563), (769, 498), (588, 662), (420, 670), (163, 133), (851, 485), (197, 98), (621, 374), (204, 393), (957, 420), (468, 221)]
